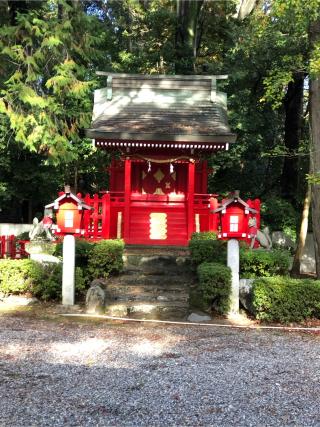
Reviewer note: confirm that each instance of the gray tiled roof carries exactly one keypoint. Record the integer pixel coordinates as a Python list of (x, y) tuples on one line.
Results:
[(172, 108)]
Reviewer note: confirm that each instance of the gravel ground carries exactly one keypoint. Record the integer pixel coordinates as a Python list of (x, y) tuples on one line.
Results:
[(101, 374)]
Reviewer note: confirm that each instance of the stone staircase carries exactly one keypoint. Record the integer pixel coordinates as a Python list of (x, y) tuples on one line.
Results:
[(154, 284)]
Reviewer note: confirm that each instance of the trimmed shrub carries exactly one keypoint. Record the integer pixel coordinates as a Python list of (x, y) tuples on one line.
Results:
[(83, 249), (215, 285), (205, 235), (282, 299), (105, 258), (41, 280), (50, 288), (261, 263), (19, 276), (204, 247)]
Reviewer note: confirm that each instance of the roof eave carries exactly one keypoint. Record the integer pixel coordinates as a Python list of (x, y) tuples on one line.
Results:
[(221, 138)]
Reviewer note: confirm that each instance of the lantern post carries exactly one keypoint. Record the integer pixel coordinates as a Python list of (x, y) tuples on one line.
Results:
[(68, 268), (233, 263), (69, 210)]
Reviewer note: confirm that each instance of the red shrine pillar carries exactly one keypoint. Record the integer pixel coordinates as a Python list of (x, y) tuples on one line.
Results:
[(127, 199), (191, 176)]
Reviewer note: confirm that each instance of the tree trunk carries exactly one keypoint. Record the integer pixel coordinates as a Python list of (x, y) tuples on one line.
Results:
[(295, 271), (293, 104), (188, 12), (245, 7), (314, 102)]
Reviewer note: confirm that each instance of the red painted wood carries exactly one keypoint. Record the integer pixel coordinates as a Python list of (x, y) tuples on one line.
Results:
[(140, 224), (2, 246), (190, 208), (87, 217), (204, 177), (213, 218), (127, 195), (105, 215)]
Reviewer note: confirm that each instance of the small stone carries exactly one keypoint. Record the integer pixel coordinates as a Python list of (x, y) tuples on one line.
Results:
[(96, 298), (195, 317), (162, 298), (245, 294)]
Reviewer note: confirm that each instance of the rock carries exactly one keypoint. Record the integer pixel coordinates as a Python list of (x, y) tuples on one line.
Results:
[(308, 261), (19, 300), (198, 318), (45, 259), (182, 260), (245, 294), (282, 240), (96, 297)]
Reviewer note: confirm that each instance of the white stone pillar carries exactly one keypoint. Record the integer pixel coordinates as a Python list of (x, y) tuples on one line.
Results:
[(68, 253), (233, 263)]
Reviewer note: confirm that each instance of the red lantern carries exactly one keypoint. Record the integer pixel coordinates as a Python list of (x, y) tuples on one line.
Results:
[(69, 210)]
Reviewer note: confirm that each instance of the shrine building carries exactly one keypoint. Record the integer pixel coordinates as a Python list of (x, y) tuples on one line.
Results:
[(159, 130)]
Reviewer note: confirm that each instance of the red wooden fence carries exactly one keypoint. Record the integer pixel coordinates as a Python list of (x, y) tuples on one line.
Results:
[(12, 248), (106, 220)]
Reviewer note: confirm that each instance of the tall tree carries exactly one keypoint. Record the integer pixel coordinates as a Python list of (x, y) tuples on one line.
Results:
[(47, 81), (314, 85), (187, 35)]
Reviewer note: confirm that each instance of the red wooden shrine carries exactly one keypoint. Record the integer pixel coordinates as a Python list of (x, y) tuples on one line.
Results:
[(159, 130)]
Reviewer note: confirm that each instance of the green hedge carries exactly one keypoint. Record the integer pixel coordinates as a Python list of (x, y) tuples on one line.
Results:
[(204, 247), (50, 287), (94, 260), (262, 263), (215, 285), (283, 299), (105, 258), (19, 276), (41, 280), (83, 249)]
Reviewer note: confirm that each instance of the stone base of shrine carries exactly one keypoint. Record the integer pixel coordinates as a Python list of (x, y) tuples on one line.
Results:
[(154, 284)]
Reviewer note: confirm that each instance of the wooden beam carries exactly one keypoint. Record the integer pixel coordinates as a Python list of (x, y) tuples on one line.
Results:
[(163, 76), (190, 215), (127, 199)]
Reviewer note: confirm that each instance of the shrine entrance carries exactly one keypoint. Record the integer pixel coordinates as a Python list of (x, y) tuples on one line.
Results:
[(156, 194), (160, 129)]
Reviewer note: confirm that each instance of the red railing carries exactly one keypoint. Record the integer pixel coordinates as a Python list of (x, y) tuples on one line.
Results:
[(12, 248)]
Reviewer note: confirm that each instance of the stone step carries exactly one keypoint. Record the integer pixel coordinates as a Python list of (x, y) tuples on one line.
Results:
[(156, 270), (132, 288), (154, 284), (149, 250), (156, 256), (141, 310), (149, 280), (146, 293)]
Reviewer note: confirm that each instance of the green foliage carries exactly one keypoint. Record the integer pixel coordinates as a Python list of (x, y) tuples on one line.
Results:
[(282, 299), (41, 280), (82, 248), (50, 287), (105, 258), (208, 235), (19, 276), (215, 285), (23, 236), (261, 263), (279, 214), (46, 94), (205, 248)]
